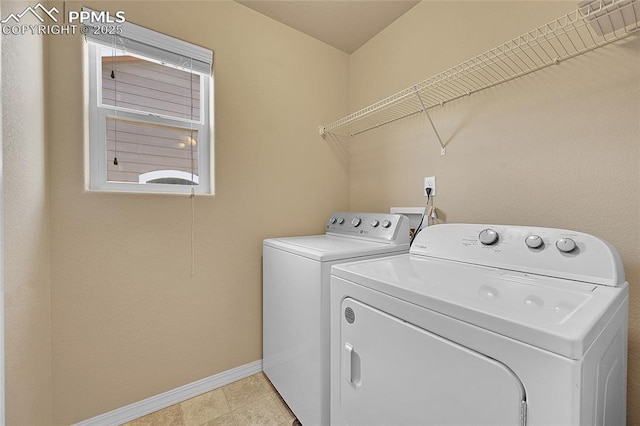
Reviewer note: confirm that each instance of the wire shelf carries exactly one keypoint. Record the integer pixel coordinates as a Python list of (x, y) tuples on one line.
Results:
[(592, 25)]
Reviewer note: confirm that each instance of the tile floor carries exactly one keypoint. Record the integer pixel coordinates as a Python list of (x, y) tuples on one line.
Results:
[(250, 401)]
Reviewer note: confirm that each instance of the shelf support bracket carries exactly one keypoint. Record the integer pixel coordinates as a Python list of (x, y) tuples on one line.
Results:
[(443, 151)]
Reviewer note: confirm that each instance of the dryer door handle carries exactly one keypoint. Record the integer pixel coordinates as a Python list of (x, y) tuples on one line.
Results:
[(351, 363), (348, 352)]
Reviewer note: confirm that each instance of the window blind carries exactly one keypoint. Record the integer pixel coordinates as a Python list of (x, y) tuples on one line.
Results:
[(150, 87), (142, 41)]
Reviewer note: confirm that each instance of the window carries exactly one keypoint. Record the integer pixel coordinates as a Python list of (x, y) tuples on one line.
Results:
[(150, 109)]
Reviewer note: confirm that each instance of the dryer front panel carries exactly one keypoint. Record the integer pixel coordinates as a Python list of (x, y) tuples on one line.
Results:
[(393, 372)]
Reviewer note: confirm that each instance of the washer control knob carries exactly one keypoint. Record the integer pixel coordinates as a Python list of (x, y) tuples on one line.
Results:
[(332, 220), (356, 221), (375, 223), (340, 221), (566, 245), (386, 223), (533, 241), (488, 237)]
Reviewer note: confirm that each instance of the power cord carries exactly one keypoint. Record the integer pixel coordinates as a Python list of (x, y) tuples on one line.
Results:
[(431, 213), (426, 209)]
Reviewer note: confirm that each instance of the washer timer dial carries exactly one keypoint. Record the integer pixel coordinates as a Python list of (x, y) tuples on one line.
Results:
[(488, 237), (566, 245), (533, 241), (356, 221)]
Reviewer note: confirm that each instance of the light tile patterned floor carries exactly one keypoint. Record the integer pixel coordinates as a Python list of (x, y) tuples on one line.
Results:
[(250, 401)]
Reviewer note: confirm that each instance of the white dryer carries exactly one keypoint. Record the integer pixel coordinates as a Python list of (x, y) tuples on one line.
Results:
[(482, 325), (296, 275)]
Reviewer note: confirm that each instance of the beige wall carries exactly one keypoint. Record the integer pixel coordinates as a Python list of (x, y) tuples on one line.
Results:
[(558, 148), (129, 320), (26, 242)]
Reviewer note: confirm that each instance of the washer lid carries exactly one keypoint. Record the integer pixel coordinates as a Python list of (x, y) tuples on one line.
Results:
[(326, 248), (559, 315)]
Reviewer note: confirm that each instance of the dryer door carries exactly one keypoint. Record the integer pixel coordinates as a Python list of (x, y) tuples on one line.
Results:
[(394, 373)]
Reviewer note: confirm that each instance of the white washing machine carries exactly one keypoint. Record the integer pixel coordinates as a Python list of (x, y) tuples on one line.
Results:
[(296, 278), (482, 325)]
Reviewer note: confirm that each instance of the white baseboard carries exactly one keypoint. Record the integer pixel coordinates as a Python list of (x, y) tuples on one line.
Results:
[(174, 396)]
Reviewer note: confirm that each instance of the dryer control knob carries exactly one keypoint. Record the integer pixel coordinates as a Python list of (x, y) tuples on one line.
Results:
[(375, 223), (356, 221), (566, 245), (533, 241), (340, 221), (386, 223), (332, 220), (488, 237)]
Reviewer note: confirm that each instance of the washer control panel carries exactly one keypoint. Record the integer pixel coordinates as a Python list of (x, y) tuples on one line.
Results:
[(383, 227), (546, 251)]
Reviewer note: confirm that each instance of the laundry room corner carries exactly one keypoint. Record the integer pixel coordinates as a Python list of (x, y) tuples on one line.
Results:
[(279, 278)]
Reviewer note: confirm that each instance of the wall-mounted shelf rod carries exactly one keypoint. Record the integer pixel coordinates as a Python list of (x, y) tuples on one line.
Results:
[(594, 24), (424, 109)]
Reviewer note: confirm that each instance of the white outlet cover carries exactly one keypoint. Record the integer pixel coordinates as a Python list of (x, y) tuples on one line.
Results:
[(429, 182)]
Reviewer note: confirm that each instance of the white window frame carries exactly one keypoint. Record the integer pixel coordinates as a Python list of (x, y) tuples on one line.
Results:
[(99, 113)]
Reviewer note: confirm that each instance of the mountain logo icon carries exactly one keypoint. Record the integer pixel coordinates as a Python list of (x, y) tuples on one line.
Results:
[(37, 11)]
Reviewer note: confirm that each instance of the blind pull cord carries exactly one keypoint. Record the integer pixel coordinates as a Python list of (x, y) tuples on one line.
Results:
[(115, 102)]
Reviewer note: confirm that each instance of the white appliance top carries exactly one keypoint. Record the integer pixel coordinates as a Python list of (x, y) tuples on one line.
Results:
[(350, 235), (553, 299)]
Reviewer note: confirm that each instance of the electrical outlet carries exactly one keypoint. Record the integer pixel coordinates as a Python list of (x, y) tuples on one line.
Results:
[(430, 182)]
